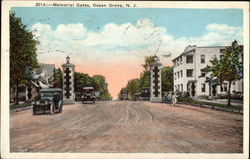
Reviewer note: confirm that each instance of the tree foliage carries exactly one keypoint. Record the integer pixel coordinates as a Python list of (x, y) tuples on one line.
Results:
[(167, 79), (228, 68), (135, 85), (97, 81), (58, 78), (23, 58)]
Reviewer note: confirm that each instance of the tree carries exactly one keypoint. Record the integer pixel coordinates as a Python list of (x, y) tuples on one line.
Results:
[(167, 79), (99, 83), (145, 79), (23, 58), (133, 86), (58, 78), (149, 60), (228, 68), (81, 80)]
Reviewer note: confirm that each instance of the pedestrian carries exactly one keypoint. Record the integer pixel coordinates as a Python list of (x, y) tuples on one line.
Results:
[(174, 98), (169, 98)]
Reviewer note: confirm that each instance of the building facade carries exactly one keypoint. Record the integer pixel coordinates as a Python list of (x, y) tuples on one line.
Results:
[(41, 78), (188, 76)]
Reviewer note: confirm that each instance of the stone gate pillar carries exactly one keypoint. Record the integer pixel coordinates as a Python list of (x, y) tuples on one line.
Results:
[(68, 82), (155, 81)]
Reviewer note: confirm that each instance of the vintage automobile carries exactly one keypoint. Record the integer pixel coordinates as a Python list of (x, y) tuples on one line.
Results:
[(124, 94), (78, 96), (144, 94), (50, 99), (88, 94)]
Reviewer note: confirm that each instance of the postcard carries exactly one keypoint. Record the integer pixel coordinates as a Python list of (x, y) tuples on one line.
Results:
[(127, 79)]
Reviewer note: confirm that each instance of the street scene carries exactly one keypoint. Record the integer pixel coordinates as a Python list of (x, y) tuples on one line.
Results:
[(127, 126), (131, 83)]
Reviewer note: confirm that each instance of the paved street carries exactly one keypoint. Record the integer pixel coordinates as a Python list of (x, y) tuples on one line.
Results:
[(126, 126)]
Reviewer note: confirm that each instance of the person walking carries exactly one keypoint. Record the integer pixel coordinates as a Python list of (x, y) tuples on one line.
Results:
[(174, 98), (169, 98)]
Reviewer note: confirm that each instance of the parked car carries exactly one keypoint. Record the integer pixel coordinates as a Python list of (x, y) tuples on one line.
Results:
[(88, 94), (78, 96), (50, 99)]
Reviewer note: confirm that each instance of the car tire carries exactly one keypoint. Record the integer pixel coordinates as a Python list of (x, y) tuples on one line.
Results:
[(60, 107), (33, 110), (52, 109)]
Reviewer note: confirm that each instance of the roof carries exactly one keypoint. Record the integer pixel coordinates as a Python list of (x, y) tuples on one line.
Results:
[(45, 69), (190, 48)]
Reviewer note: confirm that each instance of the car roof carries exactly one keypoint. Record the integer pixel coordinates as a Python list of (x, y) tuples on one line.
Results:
[(51, 90), (88, 87)]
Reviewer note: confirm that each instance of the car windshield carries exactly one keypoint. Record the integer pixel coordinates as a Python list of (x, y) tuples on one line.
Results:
[(88, 91), (47, 94)]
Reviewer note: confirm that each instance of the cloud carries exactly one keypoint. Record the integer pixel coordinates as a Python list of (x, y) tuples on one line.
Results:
[(124, 41), (123, 46)]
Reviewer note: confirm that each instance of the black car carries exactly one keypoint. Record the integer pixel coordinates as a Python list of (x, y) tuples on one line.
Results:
[(144, 94), (124, 94), (88, 94), (50, 99)]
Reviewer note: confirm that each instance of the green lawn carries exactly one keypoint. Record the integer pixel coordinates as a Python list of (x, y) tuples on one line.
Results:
[(27, 104), (191, 101)]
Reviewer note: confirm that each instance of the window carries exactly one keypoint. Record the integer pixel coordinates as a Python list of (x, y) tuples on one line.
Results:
[(181, 60), (203, 87), (189, 59), (189, 72), (178, 74), (221, 88), (202, 73), (187, 87), (225, 87), (21, 89), (181, 87), (174, 75), (202, 58), (181, 73)]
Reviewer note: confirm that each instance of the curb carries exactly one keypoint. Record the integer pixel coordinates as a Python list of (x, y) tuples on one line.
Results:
[(215, 108), (21, 109)]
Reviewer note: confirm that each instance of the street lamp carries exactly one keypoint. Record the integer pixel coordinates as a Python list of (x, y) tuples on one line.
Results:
[(67, 59)]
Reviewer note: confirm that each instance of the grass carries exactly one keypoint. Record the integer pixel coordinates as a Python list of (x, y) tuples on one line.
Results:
[(191, 101), (23, 105)]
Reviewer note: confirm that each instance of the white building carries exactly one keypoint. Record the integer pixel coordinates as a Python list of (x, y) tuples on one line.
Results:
[(189, 78)]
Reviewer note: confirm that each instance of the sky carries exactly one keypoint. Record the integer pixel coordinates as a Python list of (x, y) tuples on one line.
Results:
[(114, 41)]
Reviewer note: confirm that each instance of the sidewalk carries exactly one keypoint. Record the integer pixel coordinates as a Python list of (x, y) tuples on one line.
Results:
[(222, 101)]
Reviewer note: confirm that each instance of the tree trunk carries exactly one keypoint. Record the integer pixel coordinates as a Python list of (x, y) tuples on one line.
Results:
[(16, 96), (229, 94)]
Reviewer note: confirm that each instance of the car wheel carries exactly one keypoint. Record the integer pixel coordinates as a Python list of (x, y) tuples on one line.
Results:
[(61, 109), (60, 106), (52, 109), (33, 110)]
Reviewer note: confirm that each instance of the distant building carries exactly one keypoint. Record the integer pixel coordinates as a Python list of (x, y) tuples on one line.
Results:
[(41, 78), (189, 78)]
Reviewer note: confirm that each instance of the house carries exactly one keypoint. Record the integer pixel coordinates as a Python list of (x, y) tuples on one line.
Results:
[(188, 76), (41, 78)]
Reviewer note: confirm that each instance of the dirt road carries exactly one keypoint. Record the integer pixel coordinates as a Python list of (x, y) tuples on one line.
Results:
[(126, 126)]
